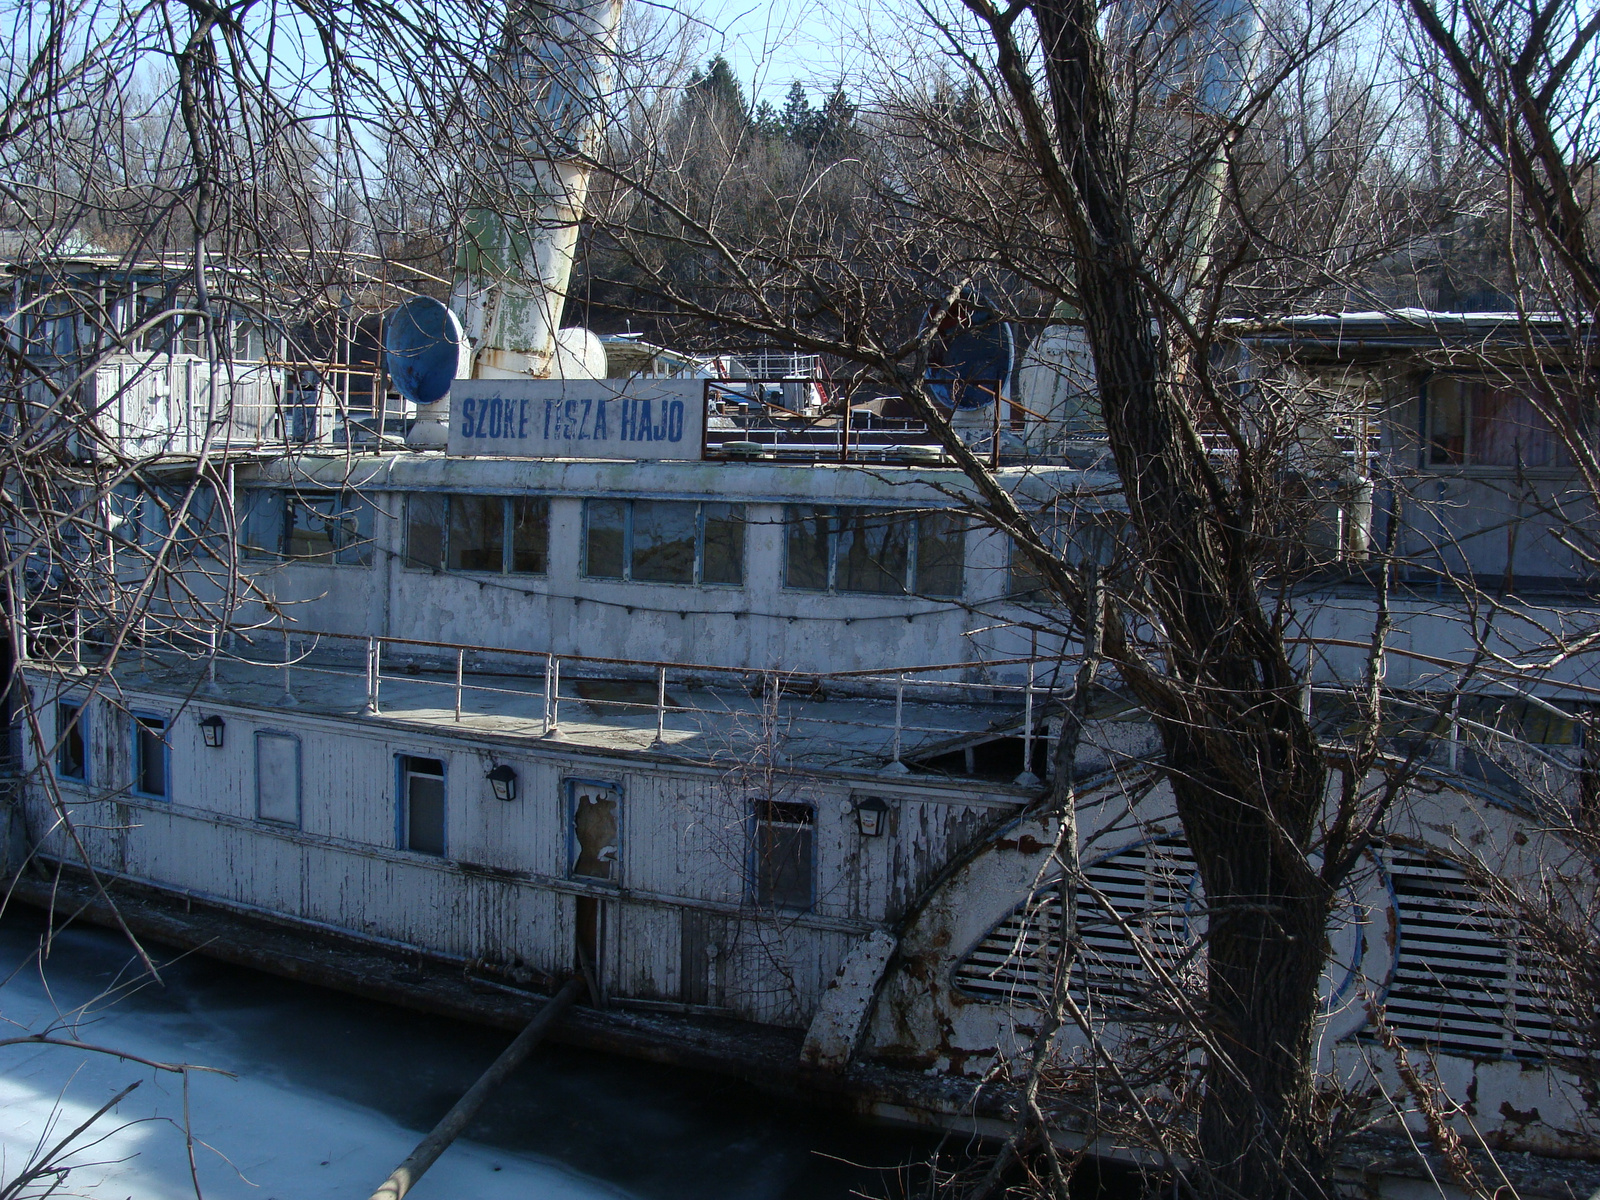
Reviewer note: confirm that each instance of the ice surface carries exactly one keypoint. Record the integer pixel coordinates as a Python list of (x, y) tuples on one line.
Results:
[(257, 1136)]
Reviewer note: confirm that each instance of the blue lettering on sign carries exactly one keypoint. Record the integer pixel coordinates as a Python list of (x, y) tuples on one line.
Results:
[(581, 419)]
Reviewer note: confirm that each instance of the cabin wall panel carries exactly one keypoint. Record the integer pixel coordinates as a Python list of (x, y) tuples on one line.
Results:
[(709, 824), (539, 939), (525, 834), (928, 834), (645, 952), (773, 969), (348, 786)]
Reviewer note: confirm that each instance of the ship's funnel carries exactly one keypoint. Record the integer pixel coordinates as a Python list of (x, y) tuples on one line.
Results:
[(541, 123)]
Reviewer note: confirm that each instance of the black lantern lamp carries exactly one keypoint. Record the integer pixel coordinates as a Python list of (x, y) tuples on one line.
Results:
[(872, 816), (504, 782), (211, 728)]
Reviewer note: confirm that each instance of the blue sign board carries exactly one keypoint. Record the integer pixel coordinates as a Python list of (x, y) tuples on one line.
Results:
[(578, 418)]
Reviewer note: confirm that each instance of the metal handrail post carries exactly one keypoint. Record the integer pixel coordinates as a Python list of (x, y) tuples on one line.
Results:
[(661, 705), (553, 690), (77, 644), (1027, 778), (547, 669), (211, 662), (288, 671), (461, 656), (374, 673), (895, 766)]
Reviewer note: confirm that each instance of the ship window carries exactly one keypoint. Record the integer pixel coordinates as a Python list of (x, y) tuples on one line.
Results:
[(528, 526), (200, 531), (1076, 543), (605, 524), (72, 751), (422, 804), (940, 537), (664, 541), (150, 756), (278, 778), (331, 527), (1479, 423), (594, 812), (425, 516), (501, 535), (782, 853), (874, 551), (477, 534), (137, 518), (261, 524)]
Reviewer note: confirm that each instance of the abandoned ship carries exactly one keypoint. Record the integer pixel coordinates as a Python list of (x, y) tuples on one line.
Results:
[(605, 663)]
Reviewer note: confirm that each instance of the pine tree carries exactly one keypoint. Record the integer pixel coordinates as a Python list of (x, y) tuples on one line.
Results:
[(718, 91), (797, 116), (836, 124)]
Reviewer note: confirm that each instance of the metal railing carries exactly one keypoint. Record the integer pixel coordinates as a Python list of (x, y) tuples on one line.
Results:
[(910, 699)]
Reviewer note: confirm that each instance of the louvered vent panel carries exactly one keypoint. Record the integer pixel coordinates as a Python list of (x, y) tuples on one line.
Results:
[(1011, 965), (1149, 886), (1458, 984), (1153, 889)]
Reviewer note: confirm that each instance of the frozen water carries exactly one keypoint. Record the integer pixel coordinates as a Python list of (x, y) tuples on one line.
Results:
[(256, 1136), (330, 1092)]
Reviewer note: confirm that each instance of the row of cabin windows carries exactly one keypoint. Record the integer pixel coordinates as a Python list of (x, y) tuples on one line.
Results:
[(1476, 422), (859, 550), (329, 527), (148, 734), (782, 859), (827, 549)]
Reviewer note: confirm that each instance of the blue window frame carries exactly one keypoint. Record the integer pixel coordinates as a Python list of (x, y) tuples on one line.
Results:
[(782, 854), (420, 815), (72, 742), (594, 830), (152, 757)]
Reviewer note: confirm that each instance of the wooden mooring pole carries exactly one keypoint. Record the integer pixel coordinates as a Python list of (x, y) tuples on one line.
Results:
[(458, 1118)]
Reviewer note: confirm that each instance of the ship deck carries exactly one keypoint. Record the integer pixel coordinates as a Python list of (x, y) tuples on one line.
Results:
[(852, 722)]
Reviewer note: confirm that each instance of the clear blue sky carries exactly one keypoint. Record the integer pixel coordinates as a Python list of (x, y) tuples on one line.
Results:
[(772, 42)]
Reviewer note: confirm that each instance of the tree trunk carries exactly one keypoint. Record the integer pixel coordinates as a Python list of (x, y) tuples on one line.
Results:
[(1241, 757)]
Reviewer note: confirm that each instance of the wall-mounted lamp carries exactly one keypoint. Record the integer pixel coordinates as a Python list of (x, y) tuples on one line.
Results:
[(212, 728), (504, 782), (872, 816)]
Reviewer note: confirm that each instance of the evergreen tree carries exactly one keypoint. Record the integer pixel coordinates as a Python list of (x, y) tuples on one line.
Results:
[(836, 124), (797, 115), (718, 91), (767, 120)]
